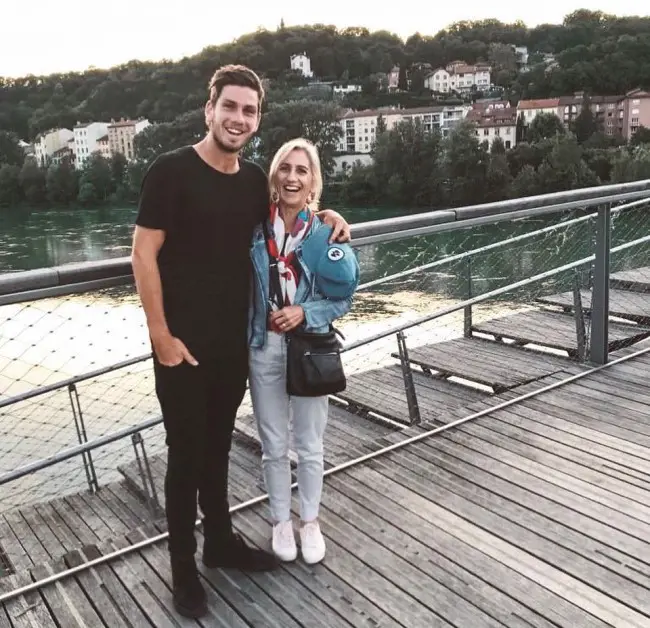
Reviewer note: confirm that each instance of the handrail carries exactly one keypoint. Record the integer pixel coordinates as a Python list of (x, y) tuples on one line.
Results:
[(495, 245), (35, 392), (105, 440), (42, 280)]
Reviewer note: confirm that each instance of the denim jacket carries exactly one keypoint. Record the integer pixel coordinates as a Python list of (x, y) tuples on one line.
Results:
[(319, 311)]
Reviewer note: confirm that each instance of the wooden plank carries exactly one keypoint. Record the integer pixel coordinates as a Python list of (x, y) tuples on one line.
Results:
[(111, 599), (554, 330), (636, 279), (420, 544), (288, 594), (382, 391), (592, 541), (634, 306), (319, 580), (144, 588), (75, 521), (13, 547), (153, 560), (28, 610), (497, 365), (89, 514), (32, 545), (420, 495), (65, 599)]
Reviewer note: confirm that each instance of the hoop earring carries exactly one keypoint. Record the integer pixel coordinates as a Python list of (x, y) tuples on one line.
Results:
[(275, 196)]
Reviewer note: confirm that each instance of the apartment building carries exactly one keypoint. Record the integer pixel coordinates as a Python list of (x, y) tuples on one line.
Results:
[(495, 120), (530, 109), (49, 143), (635, 112), (458, 77), (85, 140), (103, 146), (121, 135), (359, 127)]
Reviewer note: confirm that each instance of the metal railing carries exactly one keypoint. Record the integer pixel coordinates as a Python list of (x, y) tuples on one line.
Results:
[(592, 232)]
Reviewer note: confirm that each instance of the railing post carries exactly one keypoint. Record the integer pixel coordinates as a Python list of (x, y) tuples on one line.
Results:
[(409, 384), (146, 476), (599, 345), (468, 309), (579, 315), (82, 437)]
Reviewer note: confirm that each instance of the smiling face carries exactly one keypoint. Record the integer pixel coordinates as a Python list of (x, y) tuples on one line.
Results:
[(233, 118), (294, 180)]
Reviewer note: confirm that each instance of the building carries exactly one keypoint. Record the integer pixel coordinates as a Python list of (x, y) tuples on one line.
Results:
[(48, 143), (494, 121), (360, 127), (635, 112), (393, 79), (85, 140), (458, 77), (63, 154), (302, 63), (530, 109), (103, 146), (607, 111), (121, 135), (341, 90)]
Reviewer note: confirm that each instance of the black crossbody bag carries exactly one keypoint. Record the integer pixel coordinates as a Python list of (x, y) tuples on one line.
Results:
[(314, 365)]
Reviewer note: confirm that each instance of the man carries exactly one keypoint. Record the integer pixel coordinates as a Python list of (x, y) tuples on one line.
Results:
[(198, 207)]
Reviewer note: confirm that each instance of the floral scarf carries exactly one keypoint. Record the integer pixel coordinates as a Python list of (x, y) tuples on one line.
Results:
[(281, 246)]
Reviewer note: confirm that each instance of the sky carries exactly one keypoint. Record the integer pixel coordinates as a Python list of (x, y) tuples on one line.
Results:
[(42, 36)]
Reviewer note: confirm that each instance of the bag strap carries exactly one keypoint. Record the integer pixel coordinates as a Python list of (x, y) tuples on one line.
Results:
[(274, 274)]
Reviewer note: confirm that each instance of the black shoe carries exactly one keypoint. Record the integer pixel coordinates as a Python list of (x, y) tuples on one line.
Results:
[(236, 554), (189, 594)]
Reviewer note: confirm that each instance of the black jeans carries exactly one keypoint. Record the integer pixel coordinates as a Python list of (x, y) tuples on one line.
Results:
[(199, 405)]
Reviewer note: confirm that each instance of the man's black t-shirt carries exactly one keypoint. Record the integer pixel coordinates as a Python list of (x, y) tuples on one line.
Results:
[(208, 218)]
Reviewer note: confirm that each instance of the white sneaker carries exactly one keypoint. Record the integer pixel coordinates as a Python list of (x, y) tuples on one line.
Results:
[(284, 541), (312, 543)]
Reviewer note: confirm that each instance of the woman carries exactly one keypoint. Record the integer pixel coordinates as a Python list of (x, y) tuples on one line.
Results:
[(313, 291)]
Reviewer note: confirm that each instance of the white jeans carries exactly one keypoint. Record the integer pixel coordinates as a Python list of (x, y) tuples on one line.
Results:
[(274, 410)]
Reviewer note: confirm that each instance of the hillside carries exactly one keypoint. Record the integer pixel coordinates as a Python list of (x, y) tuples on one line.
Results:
[(594, 52)]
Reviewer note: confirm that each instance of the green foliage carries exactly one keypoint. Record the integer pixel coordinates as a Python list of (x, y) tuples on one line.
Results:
[(597, 53), (312, 119), (10, 151)]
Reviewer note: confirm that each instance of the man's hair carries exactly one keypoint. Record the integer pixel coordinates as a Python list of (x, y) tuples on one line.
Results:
[(238, 75)]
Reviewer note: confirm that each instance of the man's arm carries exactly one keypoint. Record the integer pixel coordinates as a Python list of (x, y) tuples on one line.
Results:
[(170, 351)]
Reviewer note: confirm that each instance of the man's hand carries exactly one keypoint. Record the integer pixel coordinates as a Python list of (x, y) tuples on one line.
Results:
[(341, 229), (171, 351), (287, 318)]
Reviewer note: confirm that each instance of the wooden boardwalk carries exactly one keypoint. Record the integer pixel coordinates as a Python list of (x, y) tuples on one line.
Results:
[(627, 304), (533, 515), (554, 330)]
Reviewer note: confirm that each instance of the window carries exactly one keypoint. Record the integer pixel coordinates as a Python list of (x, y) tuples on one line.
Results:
[(508, 144), (636, 101), (635, 112)]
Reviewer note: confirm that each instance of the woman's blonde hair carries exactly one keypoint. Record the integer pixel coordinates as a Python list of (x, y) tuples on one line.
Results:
[(311, 151)]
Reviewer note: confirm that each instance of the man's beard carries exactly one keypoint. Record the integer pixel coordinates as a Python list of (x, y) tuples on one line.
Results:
[(224, 147)]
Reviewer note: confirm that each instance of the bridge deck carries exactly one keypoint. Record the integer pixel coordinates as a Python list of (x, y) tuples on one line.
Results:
[(533, 515)]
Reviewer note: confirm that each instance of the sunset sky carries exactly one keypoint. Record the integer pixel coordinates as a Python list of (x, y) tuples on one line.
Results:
[(42, 36)]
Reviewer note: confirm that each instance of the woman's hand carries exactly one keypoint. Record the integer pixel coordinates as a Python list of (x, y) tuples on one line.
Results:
[(287, 318)]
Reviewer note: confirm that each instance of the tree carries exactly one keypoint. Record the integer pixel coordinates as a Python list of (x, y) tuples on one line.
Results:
[(96, 182), (466, 164), (642, 136), (10, 150), (32, 182), (10, 192), (314, 120), (564, 168), (585, 124), (407, 168), (61, 183), (544, 126), (381, 125)]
